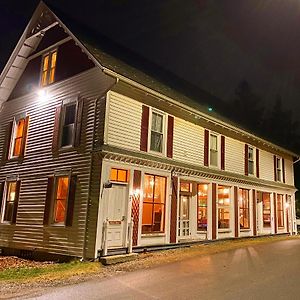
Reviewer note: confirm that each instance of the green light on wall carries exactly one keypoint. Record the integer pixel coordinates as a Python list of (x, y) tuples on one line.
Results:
[(210, 109)]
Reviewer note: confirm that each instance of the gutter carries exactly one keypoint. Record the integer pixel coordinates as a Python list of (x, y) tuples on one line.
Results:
[(297, 160)]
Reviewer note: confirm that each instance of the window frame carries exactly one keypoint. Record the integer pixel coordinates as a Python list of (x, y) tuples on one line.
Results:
[(280, 210), (153, 204), (202, 229), (48, 71), (279, 169), (269, 224), (164, 131), (118, 181), (15, 121), (65, 104), (253, 160), (218, 151), (54, 199), (4, 201), (223, 206), (243, 208)]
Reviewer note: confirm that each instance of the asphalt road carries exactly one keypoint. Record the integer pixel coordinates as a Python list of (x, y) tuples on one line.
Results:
[(266, 271)]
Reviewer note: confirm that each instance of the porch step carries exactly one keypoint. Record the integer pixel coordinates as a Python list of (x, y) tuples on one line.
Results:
[(116, 259)]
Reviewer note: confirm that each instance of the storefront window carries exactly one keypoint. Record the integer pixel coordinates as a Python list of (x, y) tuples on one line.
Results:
[(244, 209), (280, 215), (202, 207), (223, 207), (266, 209), (154, 204)]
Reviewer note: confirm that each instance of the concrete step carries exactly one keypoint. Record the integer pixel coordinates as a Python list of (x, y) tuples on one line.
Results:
[(116, 259)]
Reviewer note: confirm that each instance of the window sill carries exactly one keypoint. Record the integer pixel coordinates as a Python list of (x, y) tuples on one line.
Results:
[(224, 230), (245, 230), (153, 235)]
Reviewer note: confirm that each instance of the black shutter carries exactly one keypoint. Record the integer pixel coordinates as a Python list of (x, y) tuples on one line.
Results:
[(1, 193), (16, 202), (246, 159), (257, 163), (78, 122), (222, 152), (144, 129), (283, 171), (48, 201), (206, 142), (275, 168), (170, 136), (71, 201)]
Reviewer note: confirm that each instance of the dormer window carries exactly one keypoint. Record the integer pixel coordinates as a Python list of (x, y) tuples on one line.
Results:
[(48, 68)]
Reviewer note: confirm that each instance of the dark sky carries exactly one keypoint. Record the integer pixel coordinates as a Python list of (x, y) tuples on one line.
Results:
[(212, 43)]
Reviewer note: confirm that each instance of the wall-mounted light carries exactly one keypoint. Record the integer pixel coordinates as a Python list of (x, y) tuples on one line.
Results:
[(287, 205), (42, 95)]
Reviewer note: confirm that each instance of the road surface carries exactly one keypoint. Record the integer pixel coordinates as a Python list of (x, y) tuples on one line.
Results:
[(266, 271)]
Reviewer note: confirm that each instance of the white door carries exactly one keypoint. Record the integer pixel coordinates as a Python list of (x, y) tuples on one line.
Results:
[(259, 213), (116, 213), (184, 216)]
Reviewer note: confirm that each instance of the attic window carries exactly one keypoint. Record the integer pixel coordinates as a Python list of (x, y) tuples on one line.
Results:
[(48, 68)]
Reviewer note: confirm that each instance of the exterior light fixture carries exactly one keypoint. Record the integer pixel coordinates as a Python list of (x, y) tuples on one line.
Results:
[(136, 192), (42, 95), (210, 109)]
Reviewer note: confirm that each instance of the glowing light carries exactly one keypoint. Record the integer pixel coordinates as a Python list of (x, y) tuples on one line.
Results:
[(287, 205), (152, 182), (42, 95), (210, 109), (226, 191), (136, 192)]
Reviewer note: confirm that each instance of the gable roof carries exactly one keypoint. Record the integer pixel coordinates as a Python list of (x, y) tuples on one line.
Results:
[(131, 67)]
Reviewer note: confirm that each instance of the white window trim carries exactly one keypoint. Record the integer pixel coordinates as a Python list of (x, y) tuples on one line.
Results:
[(218, 166), (164, 132), (281, 171), (67, 102), (49, 51), (13, 135), (4, 199), (254, 160), (56, 176)]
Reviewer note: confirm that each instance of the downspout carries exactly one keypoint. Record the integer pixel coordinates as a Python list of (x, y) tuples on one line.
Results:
[(297, 160)]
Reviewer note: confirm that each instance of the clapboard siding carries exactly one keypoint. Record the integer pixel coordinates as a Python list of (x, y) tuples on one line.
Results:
[(188, 142), (234, 156), (124, 122), (266, 165), (40, 162), (289, 172)]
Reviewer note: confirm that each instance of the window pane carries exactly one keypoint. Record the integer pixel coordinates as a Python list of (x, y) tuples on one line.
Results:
[(46, 63), (20, 128), (60, 211), (244, 208), (61, 198), (17, 147), (157, 122), (156, 141), (53, 59), (122, 175), (250, 167), (266, 209), (223, 218), (223, 206), (67, 135), (250, 153), (114, 175), (202, 207), (185, 187), (70, 114), (10, 201), (213, 158), (213, 142), (62, 188), (154, 204)]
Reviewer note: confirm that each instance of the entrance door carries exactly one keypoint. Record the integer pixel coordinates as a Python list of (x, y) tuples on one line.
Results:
[(184, 216), (115, 208), (259, 214)]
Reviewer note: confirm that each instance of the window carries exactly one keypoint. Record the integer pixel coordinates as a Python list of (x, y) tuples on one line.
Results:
[(48, 68), (68, 124), (250, 161), (266, 209), (118, 175), (18, 137), (10, 202), (60, 199), (157, 132), (154, 204), (278, 169), (213, 150), (280, 214), (244, 209), (202, 207), (223, 207)]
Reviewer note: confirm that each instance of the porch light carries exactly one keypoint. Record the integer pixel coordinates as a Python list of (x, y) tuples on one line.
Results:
[(42, 95), (136, 192), (287, 205)]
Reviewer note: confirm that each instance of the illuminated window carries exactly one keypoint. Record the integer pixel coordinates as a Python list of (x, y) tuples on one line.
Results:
[(48, 68), (213, 150), (250, 161), (61, 199), (223, 207), (68, 124), (118, 175), (266, 209), (157, 132), (185, 187), (244, 209), (202, 197), (10, 201), (18, 135), (280, 214), (154, 204)]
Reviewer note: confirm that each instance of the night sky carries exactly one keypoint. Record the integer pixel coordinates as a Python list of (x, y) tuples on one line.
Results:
[(212, 43)]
